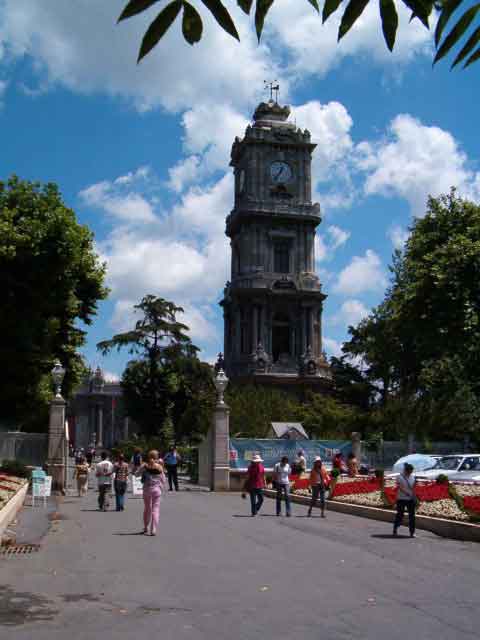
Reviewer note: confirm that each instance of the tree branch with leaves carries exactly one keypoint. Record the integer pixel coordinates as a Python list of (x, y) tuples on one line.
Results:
[(466, 28)]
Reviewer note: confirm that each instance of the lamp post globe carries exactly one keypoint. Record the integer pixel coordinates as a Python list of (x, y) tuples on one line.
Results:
[(58, 374), (221, 382)]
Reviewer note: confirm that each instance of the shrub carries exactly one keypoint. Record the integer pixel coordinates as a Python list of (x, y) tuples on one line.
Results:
[(442, 479), (335, 473), (379, 474), (15, 468)]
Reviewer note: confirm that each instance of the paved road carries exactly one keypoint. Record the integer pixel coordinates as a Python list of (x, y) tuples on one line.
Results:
[(215, 573)]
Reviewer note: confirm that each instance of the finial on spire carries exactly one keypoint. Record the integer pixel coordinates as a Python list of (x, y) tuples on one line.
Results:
[(273, 87)]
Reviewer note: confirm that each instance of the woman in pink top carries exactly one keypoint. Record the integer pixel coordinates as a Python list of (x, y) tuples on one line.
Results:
[(255, 483), (154, 482)]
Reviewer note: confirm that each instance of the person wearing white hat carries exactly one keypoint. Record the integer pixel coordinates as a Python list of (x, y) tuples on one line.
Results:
[(319, 481), (255, 483)]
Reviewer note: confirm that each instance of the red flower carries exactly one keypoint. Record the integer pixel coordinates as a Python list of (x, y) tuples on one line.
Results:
[(354, 488), (432, 491), (472, 503), (391, 494)]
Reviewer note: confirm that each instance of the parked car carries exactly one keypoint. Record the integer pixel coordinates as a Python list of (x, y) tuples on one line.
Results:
[(420, 462), (453, 465), (472, 475)]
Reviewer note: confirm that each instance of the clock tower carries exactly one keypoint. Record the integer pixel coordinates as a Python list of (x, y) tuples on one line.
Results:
[(273, 303)]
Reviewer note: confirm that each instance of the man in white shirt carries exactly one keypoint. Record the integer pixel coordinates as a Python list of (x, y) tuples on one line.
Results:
[(104, 471), (282, 471), (406, 499)]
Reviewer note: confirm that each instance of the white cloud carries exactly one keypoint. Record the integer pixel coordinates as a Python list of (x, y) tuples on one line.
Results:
[(350, 313), (415, 161), (126, 206), (332, 347), (339, 236), (80, 46), (314, 47), (364, 273), (327, 244), (209, 132), (398, 236)]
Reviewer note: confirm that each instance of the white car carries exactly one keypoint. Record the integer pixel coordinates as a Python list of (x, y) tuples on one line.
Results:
[(452, 465)]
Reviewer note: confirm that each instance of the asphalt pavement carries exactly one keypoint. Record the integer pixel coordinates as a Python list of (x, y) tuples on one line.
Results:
[(214, 572)]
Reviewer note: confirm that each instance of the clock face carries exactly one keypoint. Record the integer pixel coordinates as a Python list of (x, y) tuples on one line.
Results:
[(241, 180), (280, 172)]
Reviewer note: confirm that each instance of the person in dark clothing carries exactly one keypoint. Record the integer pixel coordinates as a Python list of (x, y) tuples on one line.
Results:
[(171, 461), (406, 499)]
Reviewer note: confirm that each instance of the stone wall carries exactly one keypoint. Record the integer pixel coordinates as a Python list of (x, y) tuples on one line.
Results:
[(29, 448)]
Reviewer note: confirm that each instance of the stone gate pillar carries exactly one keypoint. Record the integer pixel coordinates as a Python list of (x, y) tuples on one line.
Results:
[(220, 457), (56, 433)]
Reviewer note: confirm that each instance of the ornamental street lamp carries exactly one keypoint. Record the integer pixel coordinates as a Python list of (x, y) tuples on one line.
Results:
[(221, 382), (58, 374)]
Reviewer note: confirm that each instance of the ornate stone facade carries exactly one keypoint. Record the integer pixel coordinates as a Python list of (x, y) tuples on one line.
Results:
[(273, 303)]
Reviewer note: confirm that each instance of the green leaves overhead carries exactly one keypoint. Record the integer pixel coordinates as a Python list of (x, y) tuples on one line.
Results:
[(222, 16), (353, 11), (159, 27), (457, 33), (330, 7), (261, 11), (245, 5), (389, 16), (192, 25), (448, 8)]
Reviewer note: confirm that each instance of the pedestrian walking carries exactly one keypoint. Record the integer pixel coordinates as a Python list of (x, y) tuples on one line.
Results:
[(104, 471), (121, 471), (406, 499), (282, 471), (300, 463), (154, 483), (319, 481), (81, 474), (352, 465), (171, 461), (255, 483), (136, 460), (339, 462)]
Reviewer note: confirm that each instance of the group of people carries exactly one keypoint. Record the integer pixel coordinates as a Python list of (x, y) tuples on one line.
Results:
[(319, 481), (152, 469), (255, 483)]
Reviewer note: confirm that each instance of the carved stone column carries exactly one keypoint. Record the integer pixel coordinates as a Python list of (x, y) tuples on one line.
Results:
[(100, 427)]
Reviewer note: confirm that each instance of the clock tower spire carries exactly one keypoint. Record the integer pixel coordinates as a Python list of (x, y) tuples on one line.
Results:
[(273, 303)]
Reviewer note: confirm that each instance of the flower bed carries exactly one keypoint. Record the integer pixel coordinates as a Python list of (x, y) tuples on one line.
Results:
[(355, 487), (459, 502), (9, 486)]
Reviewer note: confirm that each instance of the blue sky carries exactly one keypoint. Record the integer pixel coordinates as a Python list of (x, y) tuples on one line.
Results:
[(141, 152)]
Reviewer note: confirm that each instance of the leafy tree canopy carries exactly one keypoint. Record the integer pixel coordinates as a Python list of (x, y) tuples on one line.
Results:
[(421, 346), (50, 279), (167, 390), (463, 29)]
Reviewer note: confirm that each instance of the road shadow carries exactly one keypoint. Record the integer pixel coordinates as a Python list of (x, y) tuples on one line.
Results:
[(389, 536), (134, 533), (237, 515)]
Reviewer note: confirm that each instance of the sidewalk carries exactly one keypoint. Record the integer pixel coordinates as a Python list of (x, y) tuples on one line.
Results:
[(214, 572)]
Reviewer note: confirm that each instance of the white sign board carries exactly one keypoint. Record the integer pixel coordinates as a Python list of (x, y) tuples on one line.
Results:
[(137, 486), (42, 487)]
